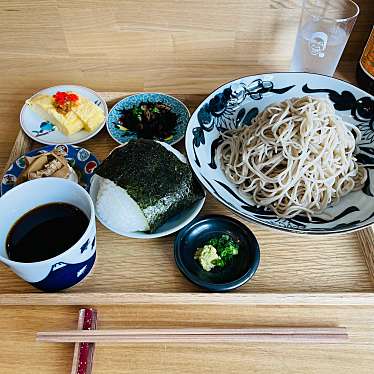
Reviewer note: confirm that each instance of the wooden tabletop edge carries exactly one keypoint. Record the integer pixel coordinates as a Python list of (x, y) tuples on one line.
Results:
[(182, 298)]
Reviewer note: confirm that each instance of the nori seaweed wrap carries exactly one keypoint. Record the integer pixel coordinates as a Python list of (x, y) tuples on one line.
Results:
[(159, 183)]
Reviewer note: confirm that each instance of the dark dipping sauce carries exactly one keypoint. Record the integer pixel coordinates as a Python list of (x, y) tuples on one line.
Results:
[(45, 232)]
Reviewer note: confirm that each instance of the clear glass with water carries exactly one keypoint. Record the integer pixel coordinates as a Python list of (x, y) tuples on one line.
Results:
[(324, 28)]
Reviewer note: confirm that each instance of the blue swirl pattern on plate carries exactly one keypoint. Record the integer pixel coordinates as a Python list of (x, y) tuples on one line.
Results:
[(236, 103), (122, 135), (80, 159), (46, 132)]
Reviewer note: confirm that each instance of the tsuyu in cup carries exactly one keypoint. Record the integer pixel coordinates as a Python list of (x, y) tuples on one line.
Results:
[(69, 267)]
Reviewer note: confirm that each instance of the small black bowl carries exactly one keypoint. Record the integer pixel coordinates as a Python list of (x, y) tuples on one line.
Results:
[(197, 234)]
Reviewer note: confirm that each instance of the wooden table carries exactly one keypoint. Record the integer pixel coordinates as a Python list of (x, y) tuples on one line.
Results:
[(175, 47)]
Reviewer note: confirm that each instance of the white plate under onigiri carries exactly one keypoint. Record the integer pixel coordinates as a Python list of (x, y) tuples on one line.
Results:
[(123, 223)]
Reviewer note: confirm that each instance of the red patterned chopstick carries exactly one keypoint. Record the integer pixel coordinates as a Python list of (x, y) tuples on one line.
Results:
[(84, 352)]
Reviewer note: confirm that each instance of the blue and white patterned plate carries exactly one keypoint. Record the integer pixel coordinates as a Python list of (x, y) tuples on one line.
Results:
[(123, 135), (235, 104), (80, 159), (45, 132)]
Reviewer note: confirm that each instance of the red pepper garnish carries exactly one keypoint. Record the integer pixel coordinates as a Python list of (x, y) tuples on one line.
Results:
[(59, 97), (73, 97), (63, 97)]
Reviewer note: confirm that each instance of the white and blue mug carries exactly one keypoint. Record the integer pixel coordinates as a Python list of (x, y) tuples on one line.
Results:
[(68, 268)]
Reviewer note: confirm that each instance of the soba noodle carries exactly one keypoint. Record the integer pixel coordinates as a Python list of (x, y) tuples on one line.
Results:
[(297, 157)]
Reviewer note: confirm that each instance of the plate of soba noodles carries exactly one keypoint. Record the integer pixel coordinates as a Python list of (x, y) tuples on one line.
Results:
[(291, 151)]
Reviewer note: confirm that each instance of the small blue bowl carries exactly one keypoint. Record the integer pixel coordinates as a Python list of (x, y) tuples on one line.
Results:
[(122, 135), (197, 233)]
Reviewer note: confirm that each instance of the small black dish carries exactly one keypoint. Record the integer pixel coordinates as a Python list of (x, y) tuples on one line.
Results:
[(197, 234)]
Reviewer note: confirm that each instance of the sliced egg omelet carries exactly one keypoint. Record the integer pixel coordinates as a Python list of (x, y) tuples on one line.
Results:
[(69, 112)]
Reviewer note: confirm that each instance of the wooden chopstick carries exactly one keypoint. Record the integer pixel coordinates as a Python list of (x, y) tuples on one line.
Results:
[(75, 364), (204, 331), (268, 334)]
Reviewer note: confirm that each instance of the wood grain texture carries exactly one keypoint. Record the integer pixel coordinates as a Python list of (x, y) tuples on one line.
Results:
[(190, 298), (289, 263), (177, 47), (19, 352), (366, 239)]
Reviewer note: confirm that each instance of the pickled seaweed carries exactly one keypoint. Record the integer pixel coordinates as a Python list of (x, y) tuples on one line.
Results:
[(154, 177)]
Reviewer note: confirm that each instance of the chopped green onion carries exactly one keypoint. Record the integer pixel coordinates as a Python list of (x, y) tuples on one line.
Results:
[(226, 248)]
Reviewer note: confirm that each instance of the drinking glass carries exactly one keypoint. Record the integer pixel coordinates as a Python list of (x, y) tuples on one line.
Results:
[(324, 28)]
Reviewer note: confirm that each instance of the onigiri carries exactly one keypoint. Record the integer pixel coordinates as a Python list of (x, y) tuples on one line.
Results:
[(142, 185)]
